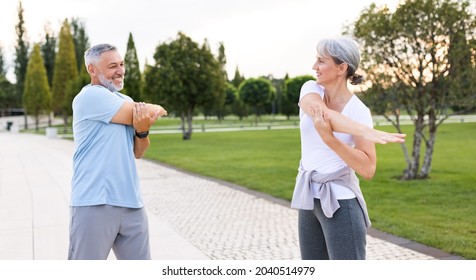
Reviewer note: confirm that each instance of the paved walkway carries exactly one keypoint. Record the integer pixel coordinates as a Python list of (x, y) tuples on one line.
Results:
[(191, 217)]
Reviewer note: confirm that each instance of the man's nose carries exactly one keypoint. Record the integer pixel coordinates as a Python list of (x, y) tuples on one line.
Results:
[(121, 70)]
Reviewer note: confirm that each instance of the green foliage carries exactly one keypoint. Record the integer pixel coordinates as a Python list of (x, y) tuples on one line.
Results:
[(222, 60), (292, 93), (418, 60), (7, 93), (7, 90), (80, 40), (133, 81), (275, 104), (237, 78), (221, 105), (37, 97), (3, 71), (256, 92), (21, 54), (48, 50), (184, 77), (64, 74), (74, 86), (238, 107), (419, 45)]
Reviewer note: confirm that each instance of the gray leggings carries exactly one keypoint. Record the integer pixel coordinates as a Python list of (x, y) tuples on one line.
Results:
[(95, 230), (342, 237)]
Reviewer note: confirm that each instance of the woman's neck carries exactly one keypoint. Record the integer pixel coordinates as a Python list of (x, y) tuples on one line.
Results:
[(336, 96)]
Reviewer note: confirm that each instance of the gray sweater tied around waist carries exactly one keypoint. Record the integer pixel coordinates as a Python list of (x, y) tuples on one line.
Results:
[(303, 197)]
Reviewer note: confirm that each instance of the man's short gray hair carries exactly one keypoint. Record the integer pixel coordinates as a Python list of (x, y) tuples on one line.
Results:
[(93, 54)]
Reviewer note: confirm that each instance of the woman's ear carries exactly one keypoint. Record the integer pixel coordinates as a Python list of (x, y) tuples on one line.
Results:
[(343, 69)]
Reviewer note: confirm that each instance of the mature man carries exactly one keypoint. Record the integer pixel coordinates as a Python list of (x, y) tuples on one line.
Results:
[(110, 132)]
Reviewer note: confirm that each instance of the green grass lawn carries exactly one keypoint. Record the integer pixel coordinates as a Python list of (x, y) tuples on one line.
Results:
[(439, 212)]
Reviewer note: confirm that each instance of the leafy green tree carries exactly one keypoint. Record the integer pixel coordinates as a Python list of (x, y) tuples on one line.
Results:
[(239, 107), (184, 77), (237, 78), (75, 85), (65, 72), (230, 98), (214, 101), (133, 81), (7, 90), (291, 96), (274, 104), (80, 40), (7, 94), (21, 54), (224, 97), (462, 58), (222, 60), (280, 85), (256, 92), (48, 50), (36, 98), (412, 58), (3, 70)]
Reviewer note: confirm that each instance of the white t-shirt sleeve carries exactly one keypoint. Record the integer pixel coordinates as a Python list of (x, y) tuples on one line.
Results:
[(361, 113), (311, 87)]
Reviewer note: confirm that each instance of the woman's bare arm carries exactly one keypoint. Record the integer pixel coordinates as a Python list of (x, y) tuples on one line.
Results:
[(313, 105)]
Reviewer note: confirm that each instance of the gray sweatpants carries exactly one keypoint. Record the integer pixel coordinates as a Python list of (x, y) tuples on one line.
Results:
[(95, 230), (342, 237)]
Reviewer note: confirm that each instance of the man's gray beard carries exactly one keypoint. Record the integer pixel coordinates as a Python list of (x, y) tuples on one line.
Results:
[(109, 84)]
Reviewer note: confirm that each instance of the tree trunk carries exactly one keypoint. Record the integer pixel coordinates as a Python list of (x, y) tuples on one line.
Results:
[(396, 124), (37, 122), (182, 124), (411, 172), (65, 121), (26, 119), (187, 124), (430, 145)]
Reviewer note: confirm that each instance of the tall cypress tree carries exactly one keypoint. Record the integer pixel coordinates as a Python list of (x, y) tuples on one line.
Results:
[(48, 50), (237, 79), (21, 54), (133, 80), (64, 74), (80, 40), (36, 97)]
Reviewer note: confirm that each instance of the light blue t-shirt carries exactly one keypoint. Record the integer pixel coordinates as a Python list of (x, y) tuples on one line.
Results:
[(104, 170)]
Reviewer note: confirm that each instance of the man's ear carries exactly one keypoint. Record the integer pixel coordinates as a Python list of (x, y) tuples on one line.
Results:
[(92, 70)]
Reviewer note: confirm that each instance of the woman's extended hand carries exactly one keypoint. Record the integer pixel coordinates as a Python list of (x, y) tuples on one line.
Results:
[(383, 137)]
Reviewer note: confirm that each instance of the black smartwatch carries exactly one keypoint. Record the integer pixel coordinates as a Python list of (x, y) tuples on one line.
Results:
[(142, 134)]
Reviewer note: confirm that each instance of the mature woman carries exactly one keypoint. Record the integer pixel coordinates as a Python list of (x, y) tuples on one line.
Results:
[(337, 141)]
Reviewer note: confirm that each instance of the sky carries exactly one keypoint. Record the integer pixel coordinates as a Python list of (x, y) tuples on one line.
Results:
[(261, 37)]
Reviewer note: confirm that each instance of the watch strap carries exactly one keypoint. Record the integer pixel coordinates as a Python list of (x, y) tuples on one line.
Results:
[(142, 134)]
